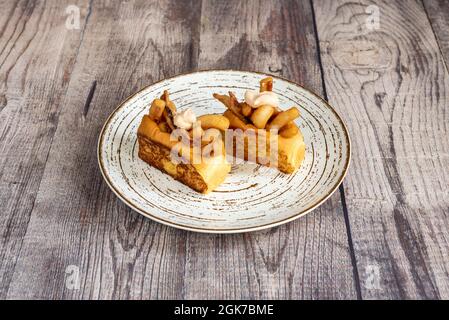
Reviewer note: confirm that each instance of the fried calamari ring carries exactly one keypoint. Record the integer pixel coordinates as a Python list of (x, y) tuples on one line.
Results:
[(283, 118), (289, 130), (214, 121), (261, 116), (156, 109), (150, 129)]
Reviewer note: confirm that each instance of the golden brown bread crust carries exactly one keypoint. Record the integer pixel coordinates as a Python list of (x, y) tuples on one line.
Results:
[(155, 148), (158, 156), (291, 152)]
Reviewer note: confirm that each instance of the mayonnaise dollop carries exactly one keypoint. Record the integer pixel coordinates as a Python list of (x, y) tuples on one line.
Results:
[(185, 119), (256, 99)]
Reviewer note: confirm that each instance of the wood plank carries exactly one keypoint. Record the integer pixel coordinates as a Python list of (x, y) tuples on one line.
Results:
[(37, 54), (392, 88), (308, 258), (76, 219), (438, 13)]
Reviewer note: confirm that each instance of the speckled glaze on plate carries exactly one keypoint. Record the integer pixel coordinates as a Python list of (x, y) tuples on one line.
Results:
[(253, 197)]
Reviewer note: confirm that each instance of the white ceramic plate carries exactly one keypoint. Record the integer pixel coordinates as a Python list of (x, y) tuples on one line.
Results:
[(252, 197)]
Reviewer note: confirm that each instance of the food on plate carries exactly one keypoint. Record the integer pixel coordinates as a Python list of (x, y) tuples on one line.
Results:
[(283, 118), (266, 134), (289, 130), (179, 144), (261, 115), (214, 121)]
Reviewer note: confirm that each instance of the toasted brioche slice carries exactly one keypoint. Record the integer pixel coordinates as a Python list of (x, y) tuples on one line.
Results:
[(155, 148), (290, 155)]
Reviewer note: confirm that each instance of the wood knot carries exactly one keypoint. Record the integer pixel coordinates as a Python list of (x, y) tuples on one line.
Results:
[(356, 54)]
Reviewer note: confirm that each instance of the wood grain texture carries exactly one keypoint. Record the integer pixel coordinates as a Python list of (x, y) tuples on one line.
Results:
[(76, 219), (305, 259), (37, 54), (57, 87), (438, 13), (391, 86)]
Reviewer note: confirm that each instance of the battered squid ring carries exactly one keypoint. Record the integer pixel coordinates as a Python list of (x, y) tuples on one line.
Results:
[(283, 118), (150, 129), (289, 130), (156, 109), (214, 121), (261, 116)]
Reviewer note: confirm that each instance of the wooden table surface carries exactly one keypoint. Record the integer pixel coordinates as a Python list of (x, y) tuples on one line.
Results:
[(64, 234)]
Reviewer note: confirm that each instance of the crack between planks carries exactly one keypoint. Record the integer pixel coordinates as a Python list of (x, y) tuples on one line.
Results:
[(355, 270), (351, 243), (89, 98)]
